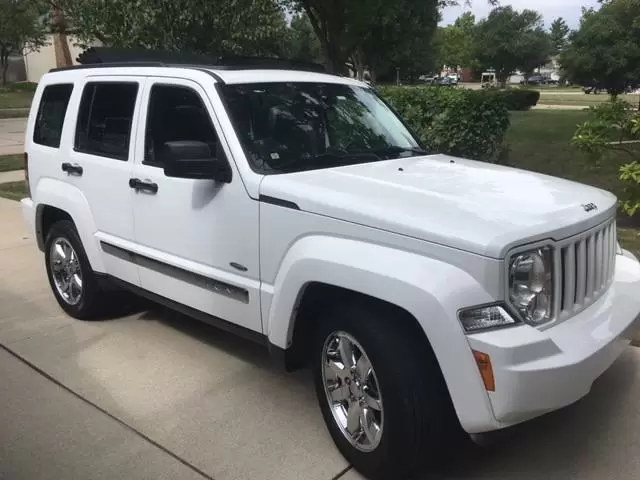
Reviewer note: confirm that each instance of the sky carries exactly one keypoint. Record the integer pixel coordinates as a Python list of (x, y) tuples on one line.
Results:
[(570, 10)]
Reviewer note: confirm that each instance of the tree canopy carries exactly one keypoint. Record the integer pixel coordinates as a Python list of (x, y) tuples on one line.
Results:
[(199, 26), (23, 28), (455, 42), (508, 40), (559, 35), (605, 50)]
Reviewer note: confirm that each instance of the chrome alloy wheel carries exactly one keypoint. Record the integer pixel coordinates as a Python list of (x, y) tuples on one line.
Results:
[(66, 272), (352, 391)]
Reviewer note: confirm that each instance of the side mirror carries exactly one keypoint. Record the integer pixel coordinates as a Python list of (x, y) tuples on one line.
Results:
[(193, 159)]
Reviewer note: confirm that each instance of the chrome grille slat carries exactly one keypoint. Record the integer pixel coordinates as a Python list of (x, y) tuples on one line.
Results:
[(586, 266), (569, 277)]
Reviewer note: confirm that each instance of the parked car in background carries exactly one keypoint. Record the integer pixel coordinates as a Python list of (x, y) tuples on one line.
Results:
[(534, 80)]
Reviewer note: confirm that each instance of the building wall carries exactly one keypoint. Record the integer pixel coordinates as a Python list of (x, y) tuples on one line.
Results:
[(40, 62)]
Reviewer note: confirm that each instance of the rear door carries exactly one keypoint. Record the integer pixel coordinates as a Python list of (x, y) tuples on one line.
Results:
[(99, 163)]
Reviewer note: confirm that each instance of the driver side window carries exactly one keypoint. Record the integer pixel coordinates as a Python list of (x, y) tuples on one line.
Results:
[(176, 113)]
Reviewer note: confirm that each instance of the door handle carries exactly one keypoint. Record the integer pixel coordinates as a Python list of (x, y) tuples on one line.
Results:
[(72, 169), (145, 186)]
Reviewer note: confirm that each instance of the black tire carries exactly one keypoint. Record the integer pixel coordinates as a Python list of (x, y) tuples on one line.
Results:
[(91, 301), (419, 423)]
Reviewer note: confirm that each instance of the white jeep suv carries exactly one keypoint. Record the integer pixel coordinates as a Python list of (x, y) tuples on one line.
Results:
[(429, 295)]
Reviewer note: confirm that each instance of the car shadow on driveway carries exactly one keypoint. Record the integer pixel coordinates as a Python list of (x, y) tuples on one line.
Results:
[(595, 438)]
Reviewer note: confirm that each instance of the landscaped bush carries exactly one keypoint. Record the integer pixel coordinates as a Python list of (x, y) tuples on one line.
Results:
[(464, 123), (519, 99), (614, 128)]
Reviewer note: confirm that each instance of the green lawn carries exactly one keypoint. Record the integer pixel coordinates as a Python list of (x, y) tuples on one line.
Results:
[(11, 162), (13, 190), (547, 97), (15, 99), (539, 140)]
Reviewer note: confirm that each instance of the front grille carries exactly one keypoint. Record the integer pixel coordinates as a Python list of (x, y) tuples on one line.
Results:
[(586, 265)]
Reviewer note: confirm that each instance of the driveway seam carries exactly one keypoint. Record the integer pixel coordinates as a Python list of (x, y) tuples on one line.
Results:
[(105, 412), (342, 473)]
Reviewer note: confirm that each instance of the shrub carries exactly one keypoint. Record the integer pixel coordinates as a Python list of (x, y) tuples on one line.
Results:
[(614, 127), (519, 99), (464, 123)]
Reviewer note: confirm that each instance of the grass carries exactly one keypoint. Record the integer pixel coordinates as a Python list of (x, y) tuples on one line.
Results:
[(540, 140), (9, 163), (581, 99), (17, 95), (13, 190)]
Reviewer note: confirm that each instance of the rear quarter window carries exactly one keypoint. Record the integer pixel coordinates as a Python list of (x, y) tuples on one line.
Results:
[(51, 113)]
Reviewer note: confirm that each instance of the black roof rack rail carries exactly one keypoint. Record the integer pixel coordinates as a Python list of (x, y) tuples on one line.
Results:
[(131, 57)]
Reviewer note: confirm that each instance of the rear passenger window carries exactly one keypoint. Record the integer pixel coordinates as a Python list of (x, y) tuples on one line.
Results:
[(50, 119), (175, 113), (105, 118)]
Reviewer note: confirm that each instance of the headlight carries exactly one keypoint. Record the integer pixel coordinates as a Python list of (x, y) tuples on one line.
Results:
[(484, 318), (531, 285)]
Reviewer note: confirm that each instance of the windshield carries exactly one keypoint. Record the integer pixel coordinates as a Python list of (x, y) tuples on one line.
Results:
[(291, 127)]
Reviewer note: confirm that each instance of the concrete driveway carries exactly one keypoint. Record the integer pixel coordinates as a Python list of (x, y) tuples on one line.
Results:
[(156, 395), (12, 135)]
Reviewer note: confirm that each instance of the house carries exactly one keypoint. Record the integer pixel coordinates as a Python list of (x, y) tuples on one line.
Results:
[(52, 55)]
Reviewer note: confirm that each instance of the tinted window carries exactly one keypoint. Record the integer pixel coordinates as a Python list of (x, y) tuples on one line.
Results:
[(290, 127), (51, 112), (105, 119), (175, 114)]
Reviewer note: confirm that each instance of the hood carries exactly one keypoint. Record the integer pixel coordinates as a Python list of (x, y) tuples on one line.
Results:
[(474, 206)]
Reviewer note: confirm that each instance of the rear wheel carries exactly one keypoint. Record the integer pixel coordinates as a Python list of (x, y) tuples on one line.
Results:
[(74, 285), (380, 391)]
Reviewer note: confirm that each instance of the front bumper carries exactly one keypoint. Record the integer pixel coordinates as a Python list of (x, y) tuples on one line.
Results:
[(540, 371)]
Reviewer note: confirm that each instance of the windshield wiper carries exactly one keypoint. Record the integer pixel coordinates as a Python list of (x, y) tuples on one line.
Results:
[(396, 150), (329, 160)]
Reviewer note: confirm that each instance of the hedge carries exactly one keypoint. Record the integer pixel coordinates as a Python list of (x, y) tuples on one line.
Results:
[(464, 123), (519, 99)]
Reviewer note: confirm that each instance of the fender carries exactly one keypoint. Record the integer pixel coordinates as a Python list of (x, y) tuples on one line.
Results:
[(66, 197), (430, 290)]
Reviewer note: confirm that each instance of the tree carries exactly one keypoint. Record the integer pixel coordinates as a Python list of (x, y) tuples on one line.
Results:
[(455, 42), (559, 35), (303, 43), (198, 26), (395, 35), (605, 50), (508, 41), (23, 29), (337, 23)]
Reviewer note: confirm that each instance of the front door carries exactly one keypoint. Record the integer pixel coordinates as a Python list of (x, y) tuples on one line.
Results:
[(197, 240)]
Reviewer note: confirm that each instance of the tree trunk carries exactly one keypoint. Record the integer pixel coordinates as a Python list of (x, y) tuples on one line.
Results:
[(4, 66), (331, 47), (60, 41)]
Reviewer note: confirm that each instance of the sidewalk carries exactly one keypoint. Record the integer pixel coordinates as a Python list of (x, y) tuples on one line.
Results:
[(12, 135)]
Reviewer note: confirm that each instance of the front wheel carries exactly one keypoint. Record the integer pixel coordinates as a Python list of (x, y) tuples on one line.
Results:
[(380, 390)]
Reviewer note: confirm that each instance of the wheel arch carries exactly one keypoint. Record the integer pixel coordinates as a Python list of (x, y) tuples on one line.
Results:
[(58, 200), (427, 291)]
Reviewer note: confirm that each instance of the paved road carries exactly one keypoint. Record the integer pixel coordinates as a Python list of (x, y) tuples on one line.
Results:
[(155, 395), (12, 135)]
